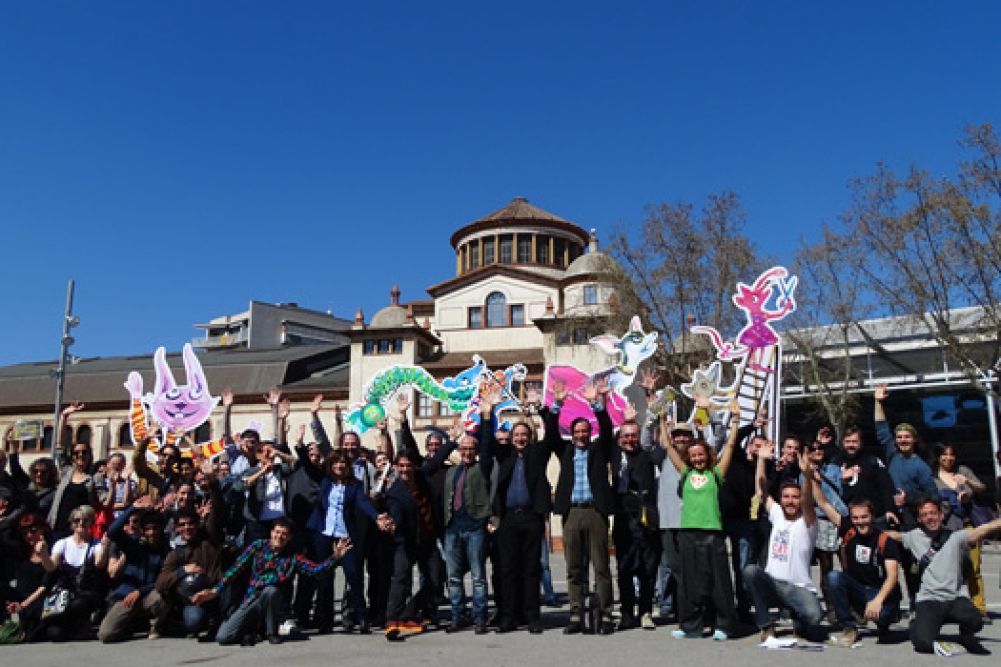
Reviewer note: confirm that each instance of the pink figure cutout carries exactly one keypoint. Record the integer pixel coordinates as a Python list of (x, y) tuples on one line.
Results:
[(632, 348)]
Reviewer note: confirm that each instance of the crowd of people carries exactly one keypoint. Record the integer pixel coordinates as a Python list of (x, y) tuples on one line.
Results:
[(713, 525)]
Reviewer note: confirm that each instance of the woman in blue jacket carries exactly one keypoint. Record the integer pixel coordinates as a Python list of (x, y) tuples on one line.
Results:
[(334, 517)]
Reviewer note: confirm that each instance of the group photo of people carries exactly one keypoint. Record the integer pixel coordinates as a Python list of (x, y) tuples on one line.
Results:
[(714, 531)]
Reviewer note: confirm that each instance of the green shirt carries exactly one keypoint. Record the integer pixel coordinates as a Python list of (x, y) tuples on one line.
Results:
[(700, 500)]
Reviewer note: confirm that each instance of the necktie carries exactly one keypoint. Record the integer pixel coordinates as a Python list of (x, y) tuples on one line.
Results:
[(460, 484)]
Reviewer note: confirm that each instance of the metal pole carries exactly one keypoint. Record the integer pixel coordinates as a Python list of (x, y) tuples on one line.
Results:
[(60, 372), (993, 425)]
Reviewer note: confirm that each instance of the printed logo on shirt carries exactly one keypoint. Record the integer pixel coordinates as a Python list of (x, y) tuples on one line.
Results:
[(780, 545), (863, 554), (698, 480)]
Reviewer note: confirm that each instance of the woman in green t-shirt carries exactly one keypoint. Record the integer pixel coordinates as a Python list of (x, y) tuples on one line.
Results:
[(705, 567)]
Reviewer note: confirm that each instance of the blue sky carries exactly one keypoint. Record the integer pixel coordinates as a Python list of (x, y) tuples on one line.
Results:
[(179, 159)]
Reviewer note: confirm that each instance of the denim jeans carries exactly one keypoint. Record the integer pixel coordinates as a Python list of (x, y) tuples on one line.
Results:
[(465, 551), (847, 594), (264, 609), (766, 592), (548, 594)]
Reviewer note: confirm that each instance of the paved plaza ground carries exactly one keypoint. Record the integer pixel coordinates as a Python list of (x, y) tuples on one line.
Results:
[(517, 649)]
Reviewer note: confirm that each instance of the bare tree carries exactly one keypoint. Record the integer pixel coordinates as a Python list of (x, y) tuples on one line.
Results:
[(930, 247), (681, 270)]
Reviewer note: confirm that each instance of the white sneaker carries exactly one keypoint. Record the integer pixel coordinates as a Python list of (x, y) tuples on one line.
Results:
[(288, 627), (646, 622)]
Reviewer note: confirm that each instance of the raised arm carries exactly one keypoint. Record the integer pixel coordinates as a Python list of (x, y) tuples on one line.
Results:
[(883, 432), (227, 415), (667, 442), (316, 426), (974, 535), (552, 440), (64, 448), (766, 452), (731, 440), (811, 479), (806, 499)]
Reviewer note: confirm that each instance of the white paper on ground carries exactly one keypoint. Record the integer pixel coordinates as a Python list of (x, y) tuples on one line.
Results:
[(775, 642)]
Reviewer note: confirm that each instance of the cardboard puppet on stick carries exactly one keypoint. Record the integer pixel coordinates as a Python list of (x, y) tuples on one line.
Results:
[(460, 393), (630, 349), (175, 409), (756, 351)]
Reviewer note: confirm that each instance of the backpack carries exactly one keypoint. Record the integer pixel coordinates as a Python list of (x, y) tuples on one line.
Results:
[(880, 546)]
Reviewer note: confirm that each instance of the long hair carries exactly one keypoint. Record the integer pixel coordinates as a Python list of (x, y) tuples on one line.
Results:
[(338, 456), (710, 453)]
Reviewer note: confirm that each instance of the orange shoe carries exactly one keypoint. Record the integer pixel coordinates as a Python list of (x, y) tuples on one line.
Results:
[(392, 631), (413, 627)]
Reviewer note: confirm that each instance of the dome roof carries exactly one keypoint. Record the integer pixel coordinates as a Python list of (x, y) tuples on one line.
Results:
[(593, 262), (389, 317)]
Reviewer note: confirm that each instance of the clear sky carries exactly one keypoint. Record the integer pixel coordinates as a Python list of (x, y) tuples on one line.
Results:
[(179, 159)]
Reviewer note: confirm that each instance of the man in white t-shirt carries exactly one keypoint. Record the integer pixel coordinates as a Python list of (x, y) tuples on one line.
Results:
[(785, 581)]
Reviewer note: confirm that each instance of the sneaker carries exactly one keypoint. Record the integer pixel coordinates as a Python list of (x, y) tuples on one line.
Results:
[(845, 639), (767, 633), (646, 622), (720, 636), (153, 634), (392, 631), (681, 634)]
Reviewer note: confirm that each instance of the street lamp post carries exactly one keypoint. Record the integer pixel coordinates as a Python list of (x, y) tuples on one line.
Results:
[(69, 321)]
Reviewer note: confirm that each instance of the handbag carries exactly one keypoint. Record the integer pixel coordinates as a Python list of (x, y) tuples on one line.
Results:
[(56, 602)]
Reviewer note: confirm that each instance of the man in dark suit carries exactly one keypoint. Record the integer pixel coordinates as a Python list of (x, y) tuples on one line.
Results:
[(584, 498), (521, 506), (636, 527)]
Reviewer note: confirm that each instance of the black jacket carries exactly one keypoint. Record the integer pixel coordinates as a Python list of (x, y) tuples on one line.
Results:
[(536, 461), (599, 458), (641, 492)]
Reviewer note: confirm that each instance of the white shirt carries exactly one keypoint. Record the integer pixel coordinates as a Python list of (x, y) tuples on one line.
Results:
[(274, 506), (73, 553), (790, 549)]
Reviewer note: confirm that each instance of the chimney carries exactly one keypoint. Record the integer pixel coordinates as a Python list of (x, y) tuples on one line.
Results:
[(410, 313), (549, 305), (593, 244), (359, 320), (394, 295)]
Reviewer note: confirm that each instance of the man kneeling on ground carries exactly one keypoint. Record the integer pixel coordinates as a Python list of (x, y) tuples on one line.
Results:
[(272, 564), (940, 555)]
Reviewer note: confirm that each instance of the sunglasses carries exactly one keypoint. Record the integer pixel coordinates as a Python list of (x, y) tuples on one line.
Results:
[(77, 520), (31, 529), (185, 524)]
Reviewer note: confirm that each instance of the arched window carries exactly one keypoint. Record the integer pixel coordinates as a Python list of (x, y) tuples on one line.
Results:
[(125, 435), (83, 435), (496, 310)]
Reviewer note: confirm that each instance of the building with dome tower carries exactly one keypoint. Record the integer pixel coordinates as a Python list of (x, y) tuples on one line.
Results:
[(529, 287)]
